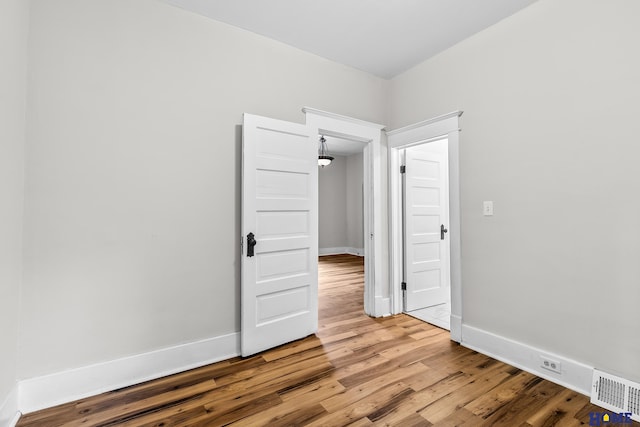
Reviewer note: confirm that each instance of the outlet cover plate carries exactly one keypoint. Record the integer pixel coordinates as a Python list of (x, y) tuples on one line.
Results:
[(550, 364)]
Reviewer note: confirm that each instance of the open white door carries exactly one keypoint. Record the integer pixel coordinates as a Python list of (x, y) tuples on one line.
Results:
[(280, 208), (426, 216)]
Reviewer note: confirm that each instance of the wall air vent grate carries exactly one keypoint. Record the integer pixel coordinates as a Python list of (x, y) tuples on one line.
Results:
[(616, 394)]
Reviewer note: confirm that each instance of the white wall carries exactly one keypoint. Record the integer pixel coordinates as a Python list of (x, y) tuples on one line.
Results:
[(550, 134), (132, 197), (355, 207), (14, 20), (332, 204)]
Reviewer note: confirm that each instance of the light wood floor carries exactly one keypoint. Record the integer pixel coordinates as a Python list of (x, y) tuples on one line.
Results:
[(357, 371)]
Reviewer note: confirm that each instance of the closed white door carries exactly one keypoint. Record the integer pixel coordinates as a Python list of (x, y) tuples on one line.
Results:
[(280, 214), (426, 217)]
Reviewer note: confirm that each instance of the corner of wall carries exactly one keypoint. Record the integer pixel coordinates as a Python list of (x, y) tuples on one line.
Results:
[(9, 414)]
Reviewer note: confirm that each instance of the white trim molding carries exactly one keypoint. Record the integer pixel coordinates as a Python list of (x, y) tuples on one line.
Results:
[(341, 250), (356, 251), (382, 306), (574, 375), (339, 117), (63, 387), (455, 327), (436, 126), (447, 127), (9, 413)]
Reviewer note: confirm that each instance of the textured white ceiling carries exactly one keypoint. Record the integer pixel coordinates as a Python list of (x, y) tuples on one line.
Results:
[(382, 37)]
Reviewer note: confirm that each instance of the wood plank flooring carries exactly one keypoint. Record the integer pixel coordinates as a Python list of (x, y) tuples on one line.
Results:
[(358, 371)]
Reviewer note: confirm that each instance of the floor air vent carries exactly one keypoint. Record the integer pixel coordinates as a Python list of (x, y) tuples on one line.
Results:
[(616, 394)]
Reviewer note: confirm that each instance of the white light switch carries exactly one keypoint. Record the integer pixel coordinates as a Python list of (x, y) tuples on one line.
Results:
[(487, 208)]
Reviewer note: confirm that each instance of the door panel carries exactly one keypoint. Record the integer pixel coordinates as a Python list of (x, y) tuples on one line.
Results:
[(426, 210), (279, 205)]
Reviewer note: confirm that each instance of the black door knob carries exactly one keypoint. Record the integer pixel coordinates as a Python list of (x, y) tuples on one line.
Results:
[(442, 231), (251, 242)]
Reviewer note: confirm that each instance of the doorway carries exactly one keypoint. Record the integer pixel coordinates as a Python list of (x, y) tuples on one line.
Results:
[(426, 249), (377, 301), (445, 126), (340, 199)]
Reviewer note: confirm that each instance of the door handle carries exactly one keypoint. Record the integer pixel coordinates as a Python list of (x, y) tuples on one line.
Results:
[(442, 231), (251, 242)]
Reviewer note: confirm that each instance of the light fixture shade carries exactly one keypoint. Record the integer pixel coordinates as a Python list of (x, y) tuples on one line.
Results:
[(324, 159)]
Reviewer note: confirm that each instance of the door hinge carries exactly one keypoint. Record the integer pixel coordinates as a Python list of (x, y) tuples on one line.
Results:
[(404, 286), (403, 169)]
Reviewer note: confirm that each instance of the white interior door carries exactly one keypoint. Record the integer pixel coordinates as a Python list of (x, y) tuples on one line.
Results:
[(280, 207), (426, 217)]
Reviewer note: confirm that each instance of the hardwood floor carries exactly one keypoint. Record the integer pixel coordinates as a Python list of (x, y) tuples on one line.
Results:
[(357, 371)]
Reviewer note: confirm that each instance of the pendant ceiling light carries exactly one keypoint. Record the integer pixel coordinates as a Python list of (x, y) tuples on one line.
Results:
[(324, 158)]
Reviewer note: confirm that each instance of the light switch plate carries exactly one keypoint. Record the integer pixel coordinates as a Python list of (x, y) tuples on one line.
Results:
[(487, 208)]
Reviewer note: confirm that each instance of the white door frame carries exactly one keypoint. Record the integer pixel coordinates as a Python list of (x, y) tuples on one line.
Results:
[(377, 301), (446, 126)]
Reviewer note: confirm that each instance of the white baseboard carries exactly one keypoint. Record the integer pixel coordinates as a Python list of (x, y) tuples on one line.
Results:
[(9, 414), (356, 251), (383, 306), (575, 375), (62, 387), (341, 250), (455, 327), (16, 418), (332, 251)]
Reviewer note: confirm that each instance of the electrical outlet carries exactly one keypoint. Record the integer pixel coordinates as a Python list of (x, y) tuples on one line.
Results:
[(550, 364)]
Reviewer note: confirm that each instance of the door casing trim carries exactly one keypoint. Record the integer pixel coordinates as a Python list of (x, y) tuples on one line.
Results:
[(445, 126), (377, 300)]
